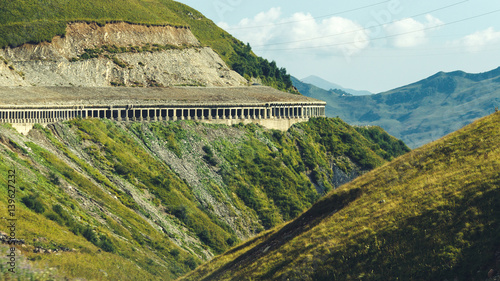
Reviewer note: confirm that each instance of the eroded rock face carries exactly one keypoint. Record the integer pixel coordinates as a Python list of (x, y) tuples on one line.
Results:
[(55, 64), (80, 36)]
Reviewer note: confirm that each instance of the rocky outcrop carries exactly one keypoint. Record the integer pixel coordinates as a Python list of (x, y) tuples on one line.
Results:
[(9, 76), (130, 63), (80, 36)]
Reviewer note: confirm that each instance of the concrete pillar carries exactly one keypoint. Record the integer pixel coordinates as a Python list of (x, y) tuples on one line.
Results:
[(174, 114)]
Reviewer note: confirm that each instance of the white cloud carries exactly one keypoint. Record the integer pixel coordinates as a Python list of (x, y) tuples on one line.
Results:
[(334, 35), (264, 23), (409, 32), (479, 40)]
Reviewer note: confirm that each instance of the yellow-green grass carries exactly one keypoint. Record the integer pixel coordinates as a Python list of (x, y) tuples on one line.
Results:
[(132, 257), (85, 260), (432, 214), (89, 156)]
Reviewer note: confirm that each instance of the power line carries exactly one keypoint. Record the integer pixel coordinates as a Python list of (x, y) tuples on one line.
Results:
[(446, 52), (314, 18), (388, 36), (362, 29)]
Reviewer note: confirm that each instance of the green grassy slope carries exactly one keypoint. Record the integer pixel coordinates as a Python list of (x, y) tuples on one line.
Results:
[(432, 214), (115, 194), (34, 21), (421, 112)]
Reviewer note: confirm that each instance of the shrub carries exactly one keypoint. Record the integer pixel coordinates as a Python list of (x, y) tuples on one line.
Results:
[(209, 156), (54, 217), (190, 262), (54, 178), (174, 253), (90, 235), (106, 244), (119, 62), (33, 202)]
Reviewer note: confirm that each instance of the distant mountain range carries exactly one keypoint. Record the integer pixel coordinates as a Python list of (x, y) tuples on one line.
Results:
[(420, 112), (327, 85)]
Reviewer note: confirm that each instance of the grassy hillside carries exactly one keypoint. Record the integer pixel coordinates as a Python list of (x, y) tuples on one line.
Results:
[(421, 112), (149, 201), (432, 214), (34, 21)]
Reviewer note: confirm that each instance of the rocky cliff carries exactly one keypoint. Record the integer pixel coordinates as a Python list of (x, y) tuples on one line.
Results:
[(116, 54)]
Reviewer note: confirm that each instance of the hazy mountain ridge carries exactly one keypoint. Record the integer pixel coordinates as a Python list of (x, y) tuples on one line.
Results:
[(420, 112), (431, 214), (326, 85)]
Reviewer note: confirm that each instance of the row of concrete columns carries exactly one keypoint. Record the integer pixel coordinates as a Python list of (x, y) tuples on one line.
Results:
[(128, 113)]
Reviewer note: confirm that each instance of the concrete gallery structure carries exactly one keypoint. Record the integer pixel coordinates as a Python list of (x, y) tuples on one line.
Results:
[(25, 106)]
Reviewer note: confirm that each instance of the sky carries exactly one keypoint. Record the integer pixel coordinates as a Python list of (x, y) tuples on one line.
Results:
[(373, 45)]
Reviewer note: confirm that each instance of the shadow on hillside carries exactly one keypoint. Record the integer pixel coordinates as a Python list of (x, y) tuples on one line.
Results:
[(456, 241), (312, 217)]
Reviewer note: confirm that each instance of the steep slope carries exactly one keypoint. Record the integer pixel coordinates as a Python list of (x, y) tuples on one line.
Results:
[(145, 201), (36, 22), (421, 112), (432, 214), (327, 85)]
